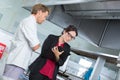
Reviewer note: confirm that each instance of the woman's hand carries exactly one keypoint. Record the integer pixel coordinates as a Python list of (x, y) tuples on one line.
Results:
[(57, 53)]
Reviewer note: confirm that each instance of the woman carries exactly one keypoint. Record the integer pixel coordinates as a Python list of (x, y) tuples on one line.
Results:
[(55, 51)]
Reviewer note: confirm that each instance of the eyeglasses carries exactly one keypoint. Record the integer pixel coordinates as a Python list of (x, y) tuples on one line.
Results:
[(72, 37)]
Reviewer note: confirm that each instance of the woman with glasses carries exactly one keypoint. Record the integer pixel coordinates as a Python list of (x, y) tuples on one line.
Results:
[(54, 53)]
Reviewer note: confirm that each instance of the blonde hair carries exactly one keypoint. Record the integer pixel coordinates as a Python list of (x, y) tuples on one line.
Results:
[(39, 7)]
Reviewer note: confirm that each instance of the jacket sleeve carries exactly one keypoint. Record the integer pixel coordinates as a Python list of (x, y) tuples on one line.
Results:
[(64, 56), (47, 48)]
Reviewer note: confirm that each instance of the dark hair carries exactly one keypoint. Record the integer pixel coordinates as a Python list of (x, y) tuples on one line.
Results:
[(71, 28), (39, 7)]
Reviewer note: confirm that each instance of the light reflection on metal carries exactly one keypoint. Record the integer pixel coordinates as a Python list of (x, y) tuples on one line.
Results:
[(62, 2)]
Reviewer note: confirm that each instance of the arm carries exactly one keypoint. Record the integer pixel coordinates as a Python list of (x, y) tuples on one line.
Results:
[(48, 44), (35, 47), (57, 53), (62, 56), (30, 33), (62, 59)]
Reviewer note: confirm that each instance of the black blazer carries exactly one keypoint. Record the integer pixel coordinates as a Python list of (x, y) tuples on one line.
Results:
[(46, 53)]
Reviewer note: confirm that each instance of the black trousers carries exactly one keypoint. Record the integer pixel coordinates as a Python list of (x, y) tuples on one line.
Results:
[(37, 76)]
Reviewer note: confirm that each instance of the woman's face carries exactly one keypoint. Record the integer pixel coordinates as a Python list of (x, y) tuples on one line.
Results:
[(68, 36)]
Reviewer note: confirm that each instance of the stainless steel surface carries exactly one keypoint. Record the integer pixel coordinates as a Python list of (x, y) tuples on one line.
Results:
[(97, 21), (95, 10)]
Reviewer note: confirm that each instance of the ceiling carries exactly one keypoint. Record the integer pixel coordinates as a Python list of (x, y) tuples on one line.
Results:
[(95, 10), (90, 9)]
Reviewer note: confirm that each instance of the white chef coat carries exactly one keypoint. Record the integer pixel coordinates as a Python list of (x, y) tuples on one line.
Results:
[(25, 39)]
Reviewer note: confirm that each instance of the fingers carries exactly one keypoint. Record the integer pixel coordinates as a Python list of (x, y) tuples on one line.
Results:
[(61, 52), (55, 49)]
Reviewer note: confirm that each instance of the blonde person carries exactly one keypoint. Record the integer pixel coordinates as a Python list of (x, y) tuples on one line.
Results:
[(25, 42)]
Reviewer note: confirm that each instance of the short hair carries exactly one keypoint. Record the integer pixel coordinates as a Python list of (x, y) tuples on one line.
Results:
[(39, 7), (71, 28)]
